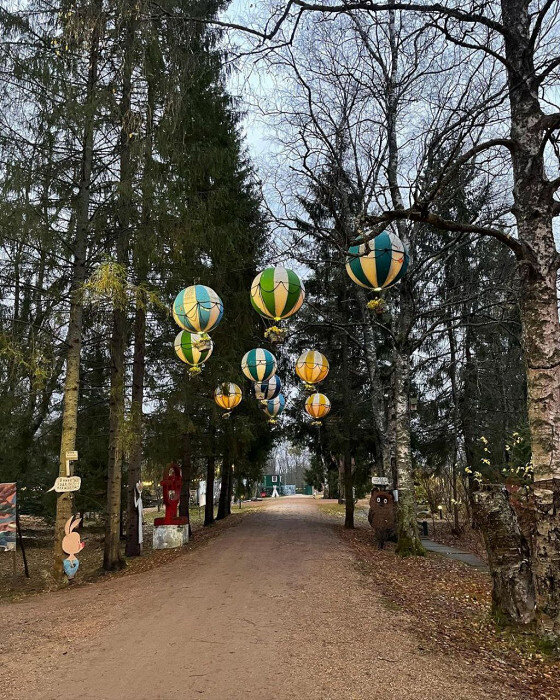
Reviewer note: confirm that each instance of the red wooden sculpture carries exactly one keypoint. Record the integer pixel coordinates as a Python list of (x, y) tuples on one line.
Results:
[(171, 486)]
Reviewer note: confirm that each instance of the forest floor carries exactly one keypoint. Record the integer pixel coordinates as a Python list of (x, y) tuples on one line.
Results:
[(283, 604)]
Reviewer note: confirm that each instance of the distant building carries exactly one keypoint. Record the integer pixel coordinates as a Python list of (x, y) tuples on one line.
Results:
[(269, 482)]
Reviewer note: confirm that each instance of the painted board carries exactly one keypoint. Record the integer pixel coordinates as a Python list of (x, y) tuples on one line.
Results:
[(8, 517)]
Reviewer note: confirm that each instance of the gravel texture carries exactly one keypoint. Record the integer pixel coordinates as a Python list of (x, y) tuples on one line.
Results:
[(275, 607)]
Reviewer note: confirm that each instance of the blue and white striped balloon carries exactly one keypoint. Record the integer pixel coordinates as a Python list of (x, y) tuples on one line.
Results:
[(274, 407), (264, 391)]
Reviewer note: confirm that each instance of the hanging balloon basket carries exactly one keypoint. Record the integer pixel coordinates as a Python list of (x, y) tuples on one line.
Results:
[(195, 370), (378, 306), (309, 387), (203, 343), (272, 421), (317, 423), (226, 416), (276, 335)]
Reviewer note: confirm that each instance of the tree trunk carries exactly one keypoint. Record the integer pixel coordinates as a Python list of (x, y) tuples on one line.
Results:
[(452, 371), (534, 210), (348, 476), (513, 594), (225, 486), (184, 503), (375, 391), (112, 558), (224, 489), (141, 264), (231, 480), (133, 546), (209, 507), (64, 501), (407, 525), (341, 494), (348, 490)]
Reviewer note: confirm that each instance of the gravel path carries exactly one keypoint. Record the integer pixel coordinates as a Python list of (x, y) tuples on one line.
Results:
[(275, 607)]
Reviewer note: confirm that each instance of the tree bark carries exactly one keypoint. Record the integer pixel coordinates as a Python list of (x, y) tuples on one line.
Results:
[(64, 501), (407, 525), (509, 559), (133, 547), (112, 557), (210, 474), (184, 503), (224, 489), (534, 211), (376, 390), (348, 476), (224, 508)]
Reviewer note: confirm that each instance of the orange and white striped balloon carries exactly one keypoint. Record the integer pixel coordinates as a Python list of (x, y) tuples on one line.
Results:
[(228, 395), (317, 406), (312, 367)]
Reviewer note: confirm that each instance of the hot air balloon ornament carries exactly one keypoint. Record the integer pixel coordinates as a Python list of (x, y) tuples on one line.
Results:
[(312, 367), (193, 349), (228, 395), (277, 293), (265, 391), (274, 407), (198, 309), (317, 406), (378, 263), (258, 365)]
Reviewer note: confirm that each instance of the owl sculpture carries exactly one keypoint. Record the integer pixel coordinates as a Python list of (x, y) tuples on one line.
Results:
[(382, 517)]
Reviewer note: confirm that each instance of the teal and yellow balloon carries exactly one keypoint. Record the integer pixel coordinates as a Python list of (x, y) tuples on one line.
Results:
[(193, 349), (274, 407), (258, 365), (197, 309), (277, 293), (379, 263)]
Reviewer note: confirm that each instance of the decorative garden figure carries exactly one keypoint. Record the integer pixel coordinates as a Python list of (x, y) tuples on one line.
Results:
[(171, 487), (72, 544)]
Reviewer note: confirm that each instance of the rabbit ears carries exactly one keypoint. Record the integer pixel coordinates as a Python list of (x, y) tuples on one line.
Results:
[(72, 523)]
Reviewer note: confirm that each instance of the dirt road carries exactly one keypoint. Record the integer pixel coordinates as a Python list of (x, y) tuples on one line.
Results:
[(272, 608)]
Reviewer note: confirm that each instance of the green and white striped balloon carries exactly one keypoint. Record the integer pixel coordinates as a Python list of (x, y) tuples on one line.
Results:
[(187, 348), (277, 293)]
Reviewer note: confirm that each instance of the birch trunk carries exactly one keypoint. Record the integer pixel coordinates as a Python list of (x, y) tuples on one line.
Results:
[(534, 209), (376, 390), (64, 501), (407, 525), (513, 593)]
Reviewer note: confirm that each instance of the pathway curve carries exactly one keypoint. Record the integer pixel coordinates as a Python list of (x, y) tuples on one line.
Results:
[(272, 608), (462, 555)]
